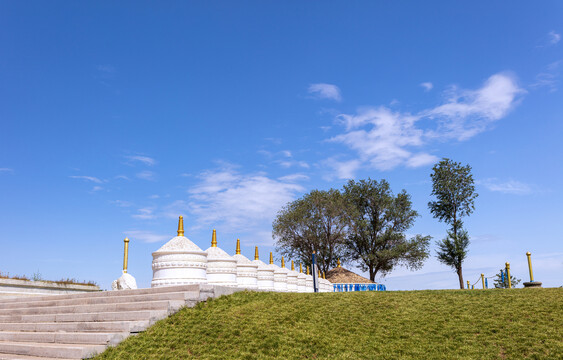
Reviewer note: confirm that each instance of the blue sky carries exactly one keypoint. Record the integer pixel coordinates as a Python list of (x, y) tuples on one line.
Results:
[(117, 118)]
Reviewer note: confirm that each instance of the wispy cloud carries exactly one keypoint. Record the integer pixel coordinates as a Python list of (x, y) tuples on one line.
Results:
[(6, 170), (427, 86), (384, 139), (507, 187), (325, 91), (239, 201), (121, 203), (549, 78), (142, 159), (97, 188), (553, 37), (87, 178), (146, 175), (145, 236), (146, 213)]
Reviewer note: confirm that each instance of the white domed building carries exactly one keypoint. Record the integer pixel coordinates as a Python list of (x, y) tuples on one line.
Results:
[(179, 262), (221, 267), (247, 271), (280, 276), (301, 280), (292, 278), (265, 273), (309, 282)]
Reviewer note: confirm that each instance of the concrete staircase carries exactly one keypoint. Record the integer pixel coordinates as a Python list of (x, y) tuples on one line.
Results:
[(81, 325)]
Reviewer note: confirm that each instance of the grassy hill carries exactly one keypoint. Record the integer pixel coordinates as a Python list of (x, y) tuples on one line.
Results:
[(448, 324)]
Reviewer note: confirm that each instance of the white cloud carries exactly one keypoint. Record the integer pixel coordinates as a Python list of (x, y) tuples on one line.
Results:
[(384, 139), (293, 178), (427, 86), (548, 78), (342, 169), (6, 170), (142, 159), (240, 201), (146, 175), (122, 177), (145, 214), (87, 178), (507, 187), (97, 188), (553, 37), (121, 203), (145, 236), (325, 91)]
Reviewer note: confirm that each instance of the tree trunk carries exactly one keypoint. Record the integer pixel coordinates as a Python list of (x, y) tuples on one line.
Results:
[(372, 273), (460, 275)]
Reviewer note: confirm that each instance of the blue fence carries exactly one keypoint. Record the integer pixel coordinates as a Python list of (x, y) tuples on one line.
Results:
[(358, 287)]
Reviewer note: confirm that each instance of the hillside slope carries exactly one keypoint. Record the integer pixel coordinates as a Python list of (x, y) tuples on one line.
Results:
[(448, 324)]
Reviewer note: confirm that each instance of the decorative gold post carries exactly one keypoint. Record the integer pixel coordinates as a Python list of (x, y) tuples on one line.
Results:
[(238, 247), (301, 268), (529, 255), (483, 280), (271, 258), (214, 239), (324, 275), (125, 254), (256, 257), (338, 263), (181, 226), (508, 275), (307, 270), (292, 265), (468, 287), (283, 263)]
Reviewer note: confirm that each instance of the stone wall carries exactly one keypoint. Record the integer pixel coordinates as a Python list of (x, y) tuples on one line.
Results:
[(12, 288)]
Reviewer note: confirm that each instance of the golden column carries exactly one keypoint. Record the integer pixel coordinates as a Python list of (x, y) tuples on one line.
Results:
[(283, 263), (301, 268), (292, 265), (529, 255), (256, 257), (483, 280), (468, 286), (307, 270), (338, 263), (125, 254), (508, 275), (271, 258), (324, 275), (238, 247), (181, 226), (214, 239)]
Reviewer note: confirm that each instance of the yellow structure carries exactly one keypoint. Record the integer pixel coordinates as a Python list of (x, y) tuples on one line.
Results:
[(338, 263), (468, 287), (271, 258), (508, 275), (181, 226), (125, 254), (238, 247), (256, 257), (483, 280), (214, 239), (529, 255)]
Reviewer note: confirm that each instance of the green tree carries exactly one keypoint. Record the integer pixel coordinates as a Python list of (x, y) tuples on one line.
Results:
[(378, 222), (316, 222), (500, 284), (454, 189)]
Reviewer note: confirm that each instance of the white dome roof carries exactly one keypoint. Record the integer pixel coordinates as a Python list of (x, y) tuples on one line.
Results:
[(281, 270), (216, 253), (179, 244), (241, 259)]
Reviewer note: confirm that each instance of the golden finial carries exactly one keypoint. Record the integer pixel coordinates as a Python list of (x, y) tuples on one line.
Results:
[(292, 265), (324, 275), (181, 226), (271, 258), (320, 273), (283, 263), (338, 263), (214, 239), (307, 270), (125, 254), (238, 247), (301, 268), (256, 257)]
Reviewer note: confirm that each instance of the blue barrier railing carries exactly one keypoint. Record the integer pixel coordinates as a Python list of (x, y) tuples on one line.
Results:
[(358, 287)]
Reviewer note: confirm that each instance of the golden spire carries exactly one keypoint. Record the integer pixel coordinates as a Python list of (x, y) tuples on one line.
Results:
[(256, 254), (214, 239), (307, 270), (125, 254), (181, 226), (338, 263), (292, 265), (324, 275), (320, 273), (238, 247), (271, 258), (301, 268), (283, 263)]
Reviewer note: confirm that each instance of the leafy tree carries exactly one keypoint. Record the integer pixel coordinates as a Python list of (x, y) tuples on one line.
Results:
[(316, 222), (378, 221), (454, 189), (499, 284)]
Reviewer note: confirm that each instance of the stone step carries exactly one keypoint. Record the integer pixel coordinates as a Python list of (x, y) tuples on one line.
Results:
[(63, 338), (152, 315), (191, 295), (169, 305), (86, 326), (159, 290), (67, 351), (25, 357)]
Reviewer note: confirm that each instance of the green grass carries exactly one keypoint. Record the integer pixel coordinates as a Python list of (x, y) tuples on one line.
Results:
[(445, 324)]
